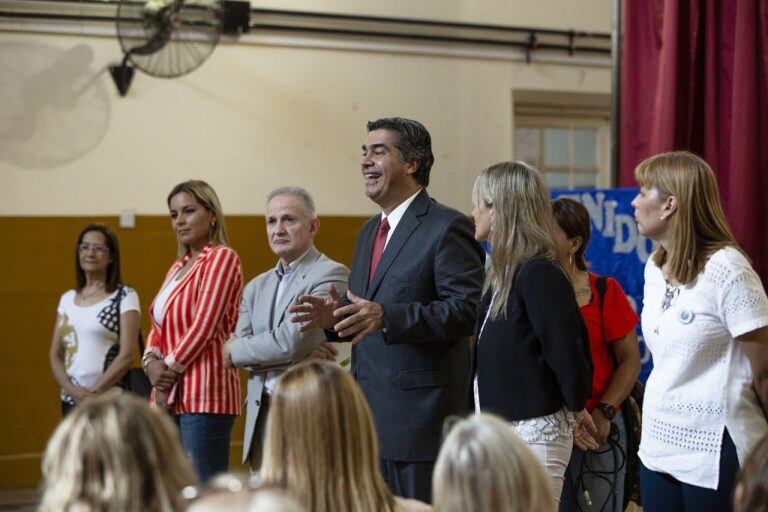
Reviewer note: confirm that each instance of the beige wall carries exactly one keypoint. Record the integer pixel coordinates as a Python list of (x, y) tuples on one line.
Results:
[(252, 118), (586, 15), (255, 116)]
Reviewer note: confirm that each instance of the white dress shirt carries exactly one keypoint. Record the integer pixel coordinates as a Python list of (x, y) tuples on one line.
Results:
[(395, 215)]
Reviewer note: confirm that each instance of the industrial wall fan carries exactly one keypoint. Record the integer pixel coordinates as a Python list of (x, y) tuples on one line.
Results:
[(169, 38)]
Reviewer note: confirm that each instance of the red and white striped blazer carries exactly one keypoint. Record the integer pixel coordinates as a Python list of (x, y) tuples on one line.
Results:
[(198, 318)]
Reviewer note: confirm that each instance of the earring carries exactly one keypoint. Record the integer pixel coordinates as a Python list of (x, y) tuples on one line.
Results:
[(570, 259)]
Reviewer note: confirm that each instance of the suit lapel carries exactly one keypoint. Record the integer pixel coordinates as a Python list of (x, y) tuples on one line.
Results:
[(482, 310), (294, 284), (267, 291), (168, 276), (191, 272), (405, 228)]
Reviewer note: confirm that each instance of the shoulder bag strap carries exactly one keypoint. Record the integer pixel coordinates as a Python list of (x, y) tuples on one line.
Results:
[(140, 339)]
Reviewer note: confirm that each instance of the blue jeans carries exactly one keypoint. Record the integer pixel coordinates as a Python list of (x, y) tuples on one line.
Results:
[(206, 440), (662, 492), (601, 472)]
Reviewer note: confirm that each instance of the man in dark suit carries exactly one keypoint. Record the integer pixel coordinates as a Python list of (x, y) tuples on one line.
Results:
[(415, 282)]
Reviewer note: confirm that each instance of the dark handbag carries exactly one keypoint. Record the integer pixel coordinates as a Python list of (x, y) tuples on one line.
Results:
[(632, 414), (134, 380)]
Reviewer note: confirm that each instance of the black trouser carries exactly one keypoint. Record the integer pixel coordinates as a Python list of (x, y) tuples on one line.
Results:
[(408, 479)]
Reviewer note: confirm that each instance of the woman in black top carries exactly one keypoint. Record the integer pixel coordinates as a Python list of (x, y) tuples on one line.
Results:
[(531, 362)]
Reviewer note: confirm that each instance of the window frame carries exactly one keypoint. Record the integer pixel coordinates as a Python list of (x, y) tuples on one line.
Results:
[(602, 127)]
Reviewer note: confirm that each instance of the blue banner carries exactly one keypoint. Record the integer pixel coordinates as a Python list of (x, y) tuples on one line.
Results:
[(615, 247)]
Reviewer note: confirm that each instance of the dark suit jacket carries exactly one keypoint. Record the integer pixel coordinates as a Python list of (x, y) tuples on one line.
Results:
[(538, 358), (414, 373)]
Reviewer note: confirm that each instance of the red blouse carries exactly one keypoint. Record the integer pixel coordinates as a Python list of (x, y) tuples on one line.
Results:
[(617, 320), (198, 317)]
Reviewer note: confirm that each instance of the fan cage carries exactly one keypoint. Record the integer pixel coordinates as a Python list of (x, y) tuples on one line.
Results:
[(168, 38)]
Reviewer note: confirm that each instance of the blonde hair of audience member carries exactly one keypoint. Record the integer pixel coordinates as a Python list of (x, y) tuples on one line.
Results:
[(484, 466), (698, 228), (114, 452), (751, 492), (207, 198), (230, 491), (320, 442), (523, 225), (273, 499)]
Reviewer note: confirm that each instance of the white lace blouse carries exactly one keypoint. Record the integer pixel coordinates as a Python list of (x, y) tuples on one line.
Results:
[(701, 382)]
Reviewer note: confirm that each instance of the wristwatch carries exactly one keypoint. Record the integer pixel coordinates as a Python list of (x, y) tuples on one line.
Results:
[(608, 410)]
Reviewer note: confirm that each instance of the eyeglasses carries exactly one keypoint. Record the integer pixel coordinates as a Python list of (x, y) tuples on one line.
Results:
[(92, 247)]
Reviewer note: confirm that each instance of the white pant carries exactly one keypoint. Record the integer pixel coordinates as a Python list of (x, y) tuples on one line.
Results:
[(554, 457)]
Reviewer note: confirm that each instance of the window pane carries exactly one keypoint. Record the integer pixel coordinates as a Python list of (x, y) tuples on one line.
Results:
[(527, 145), (585, 148), (557, 179), (556, 147), (584, 180)]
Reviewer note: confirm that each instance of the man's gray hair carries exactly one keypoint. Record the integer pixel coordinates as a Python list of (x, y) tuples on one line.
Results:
[(299, 192)]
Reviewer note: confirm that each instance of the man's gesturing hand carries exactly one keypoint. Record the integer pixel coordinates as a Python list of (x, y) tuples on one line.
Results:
[(315, 312), (360, 318)]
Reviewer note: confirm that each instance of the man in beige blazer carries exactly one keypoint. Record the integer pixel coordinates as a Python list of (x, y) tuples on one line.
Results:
[(265, 341)]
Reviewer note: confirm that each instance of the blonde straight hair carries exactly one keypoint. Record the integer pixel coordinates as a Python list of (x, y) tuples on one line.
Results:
[(114, 453), (523, 224), (321, 443), (698, 227), (207, 198), (484, 466)]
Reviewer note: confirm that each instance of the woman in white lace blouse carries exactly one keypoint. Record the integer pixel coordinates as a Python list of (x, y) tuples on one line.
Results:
[(705, 320)]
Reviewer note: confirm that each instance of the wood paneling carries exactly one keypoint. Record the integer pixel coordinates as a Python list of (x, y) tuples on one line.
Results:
[(37, 258)]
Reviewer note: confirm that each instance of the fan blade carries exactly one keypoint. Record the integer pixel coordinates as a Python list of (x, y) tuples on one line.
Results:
[(164, 20)]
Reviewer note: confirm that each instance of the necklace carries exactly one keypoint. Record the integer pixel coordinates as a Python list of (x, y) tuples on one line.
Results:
[(582, 291), (671, 292), (670, 295), (84, 296)]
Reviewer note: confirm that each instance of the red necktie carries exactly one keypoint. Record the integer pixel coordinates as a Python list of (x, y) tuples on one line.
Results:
[(378, 247)]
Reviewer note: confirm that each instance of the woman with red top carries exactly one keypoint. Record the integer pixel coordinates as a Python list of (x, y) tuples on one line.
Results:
[(192, 316), (597, 465)]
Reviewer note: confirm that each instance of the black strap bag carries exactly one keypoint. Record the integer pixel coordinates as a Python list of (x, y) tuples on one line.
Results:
[(134, 380)]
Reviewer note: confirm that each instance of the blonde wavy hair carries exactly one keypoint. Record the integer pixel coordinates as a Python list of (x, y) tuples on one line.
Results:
[(698, 227), (523, 224), (236, 491), (321, 444), (484, 466), (115, 453), (207, 198)]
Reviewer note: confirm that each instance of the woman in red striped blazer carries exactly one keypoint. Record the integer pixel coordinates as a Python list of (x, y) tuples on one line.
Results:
[(192, 316)]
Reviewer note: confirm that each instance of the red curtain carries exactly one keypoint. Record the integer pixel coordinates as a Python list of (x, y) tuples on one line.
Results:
[(694, 75)]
